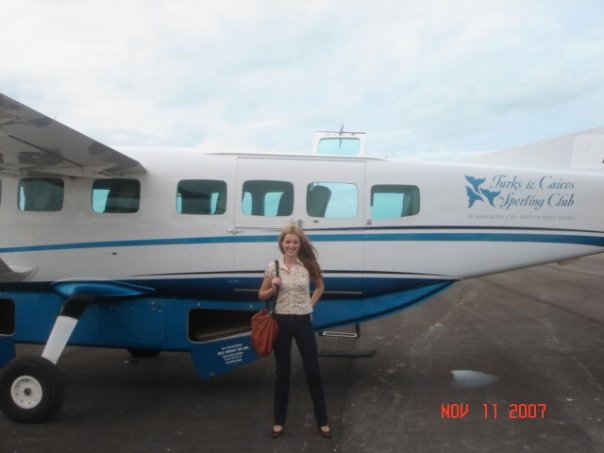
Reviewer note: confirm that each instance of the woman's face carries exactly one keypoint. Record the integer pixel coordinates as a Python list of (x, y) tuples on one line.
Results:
[(291, 245)]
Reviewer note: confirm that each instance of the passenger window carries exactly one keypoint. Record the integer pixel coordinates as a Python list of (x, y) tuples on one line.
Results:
[(394, 201), (40, 194), (267, 198), (201, 197), (116, 196), (335, 200)]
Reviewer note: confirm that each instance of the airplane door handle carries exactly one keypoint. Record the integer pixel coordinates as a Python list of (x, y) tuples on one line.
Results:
[(234, 230)]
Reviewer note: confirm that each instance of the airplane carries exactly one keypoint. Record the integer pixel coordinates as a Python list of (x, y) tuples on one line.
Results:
[(164, 249)]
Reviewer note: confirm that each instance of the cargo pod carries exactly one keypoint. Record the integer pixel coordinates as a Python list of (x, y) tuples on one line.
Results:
[(220, 340), (209, 325)]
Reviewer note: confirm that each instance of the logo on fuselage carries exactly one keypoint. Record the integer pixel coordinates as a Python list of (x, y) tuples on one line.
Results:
[(505, 192)]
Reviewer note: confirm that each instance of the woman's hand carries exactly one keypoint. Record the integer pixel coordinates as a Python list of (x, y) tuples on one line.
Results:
[(318, 292)]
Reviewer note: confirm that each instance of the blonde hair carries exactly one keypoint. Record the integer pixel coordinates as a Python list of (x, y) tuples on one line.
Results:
[(307, 252)]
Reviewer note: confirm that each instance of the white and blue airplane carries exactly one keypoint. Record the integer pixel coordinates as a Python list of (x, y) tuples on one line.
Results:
[(164, 249)]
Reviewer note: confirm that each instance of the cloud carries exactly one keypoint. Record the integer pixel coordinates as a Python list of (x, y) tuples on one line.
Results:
[(422, 78)]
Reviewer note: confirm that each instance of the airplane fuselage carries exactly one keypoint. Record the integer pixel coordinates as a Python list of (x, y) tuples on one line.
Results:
[(369, 218), (197, 230)]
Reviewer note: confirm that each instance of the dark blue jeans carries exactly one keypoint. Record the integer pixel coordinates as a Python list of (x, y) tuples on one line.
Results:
[(298, 327)]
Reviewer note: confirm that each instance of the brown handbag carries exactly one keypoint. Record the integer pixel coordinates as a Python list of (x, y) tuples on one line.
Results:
[(264, 326)]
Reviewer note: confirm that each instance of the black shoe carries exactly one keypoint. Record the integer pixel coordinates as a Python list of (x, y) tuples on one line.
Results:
[(275, 433)]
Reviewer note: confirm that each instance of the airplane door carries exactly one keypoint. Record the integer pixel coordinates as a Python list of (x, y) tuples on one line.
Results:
[(265, 204), (333, 217), (393, 202), (204, 206), (323, 196)]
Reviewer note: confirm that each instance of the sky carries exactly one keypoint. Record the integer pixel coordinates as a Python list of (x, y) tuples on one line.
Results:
[(426, 79)]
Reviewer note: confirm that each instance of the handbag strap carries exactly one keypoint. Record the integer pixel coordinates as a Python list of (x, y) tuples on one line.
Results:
[(277, 289), (266, 304)]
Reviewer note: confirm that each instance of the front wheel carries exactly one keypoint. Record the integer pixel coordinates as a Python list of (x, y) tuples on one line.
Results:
[(31, 389)]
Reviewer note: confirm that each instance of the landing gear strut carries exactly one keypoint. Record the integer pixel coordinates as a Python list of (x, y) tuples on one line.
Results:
[(31, 387)]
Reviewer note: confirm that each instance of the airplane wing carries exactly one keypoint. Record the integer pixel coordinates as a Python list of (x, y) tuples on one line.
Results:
[(34, 144)]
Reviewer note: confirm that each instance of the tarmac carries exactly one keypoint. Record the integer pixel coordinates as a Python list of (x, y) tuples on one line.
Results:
[(505, 363)]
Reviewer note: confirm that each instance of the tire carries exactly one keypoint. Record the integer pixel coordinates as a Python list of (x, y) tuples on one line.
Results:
[(141, 353), (31, 390)]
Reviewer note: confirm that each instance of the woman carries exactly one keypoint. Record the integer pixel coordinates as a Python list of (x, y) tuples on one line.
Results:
[(297, 268)]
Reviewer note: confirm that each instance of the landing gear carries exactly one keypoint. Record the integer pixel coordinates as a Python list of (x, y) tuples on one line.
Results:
[(31, 389)]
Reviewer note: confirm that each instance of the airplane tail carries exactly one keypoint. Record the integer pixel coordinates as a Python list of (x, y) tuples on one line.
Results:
[(581, 151)]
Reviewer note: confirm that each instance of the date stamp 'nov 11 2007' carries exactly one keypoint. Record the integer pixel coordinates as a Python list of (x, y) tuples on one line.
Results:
[(511, 411)]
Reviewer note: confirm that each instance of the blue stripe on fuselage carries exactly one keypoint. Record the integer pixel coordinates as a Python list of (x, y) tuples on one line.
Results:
[(329, 237)]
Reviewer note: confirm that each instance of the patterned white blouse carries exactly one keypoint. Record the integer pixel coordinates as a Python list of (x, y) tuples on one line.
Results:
[(294, 292)]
